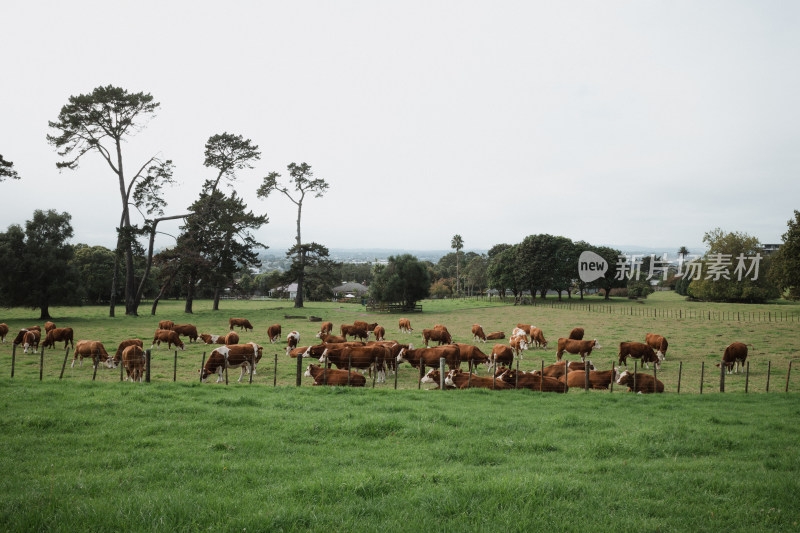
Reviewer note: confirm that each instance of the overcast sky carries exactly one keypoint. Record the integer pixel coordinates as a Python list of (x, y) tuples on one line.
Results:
[(638, 122)]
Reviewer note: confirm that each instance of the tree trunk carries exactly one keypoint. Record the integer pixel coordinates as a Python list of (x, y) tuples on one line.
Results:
[(190, 294), (162, 291), (581, 294), (216, 299), (559, 294), (543, 294), (113, 299), (149, 263), (44, 312)]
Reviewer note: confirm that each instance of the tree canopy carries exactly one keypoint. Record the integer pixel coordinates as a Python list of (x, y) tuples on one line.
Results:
[(785, 268), (404, 279), (7, 170)]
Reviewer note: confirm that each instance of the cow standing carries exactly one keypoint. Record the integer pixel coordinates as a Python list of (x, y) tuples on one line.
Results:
[(658, 343), (325, 329), (134, 361), (187, 330), (576, 334), (734, 356), (169, 336), (3, 332), (274, 333), (234, 356), (93, 349), (638, 350), (405, 325), (242, 323), (57, 335), (584, 348), (477, 333)]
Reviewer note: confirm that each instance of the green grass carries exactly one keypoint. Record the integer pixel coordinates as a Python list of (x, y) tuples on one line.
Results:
[(109, 457)]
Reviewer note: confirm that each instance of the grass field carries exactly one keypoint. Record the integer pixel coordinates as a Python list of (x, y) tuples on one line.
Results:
[(109, 456)]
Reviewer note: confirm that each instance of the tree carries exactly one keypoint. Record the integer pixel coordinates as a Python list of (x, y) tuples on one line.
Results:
[(609, 280), (476, 273), (301, 175), (684, 251), (7, 170), (457, 243), (228, 153), (730, 247), (785, 268), (502, 270), (320, 273), (404, 279), (546, 262), (35, 268), (100, 122), (94, 266)]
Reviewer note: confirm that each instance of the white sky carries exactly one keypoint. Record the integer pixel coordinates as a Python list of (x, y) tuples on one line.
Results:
[(638, 122)]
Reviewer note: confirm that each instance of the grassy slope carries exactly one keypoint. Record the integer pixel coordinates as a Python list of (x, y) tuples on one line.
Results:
[(84, 456)]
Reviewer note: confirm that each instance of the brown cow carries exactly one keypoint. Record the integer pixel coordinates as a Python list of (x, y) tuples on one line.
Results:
[(734, 356), (469, 352), (3, 332), (532, 381), (353, 331), (333, 377), (169, 336), (21, 334), (124, 344), (233, 356), (291, 340), (584, 348), (442, 336), (496, 336), (537, 337), (231, 338), (430, 356), (518, 343), (432, 376), (405, 325), (501, 353), (331, 339), (638, 350), (242, 323), (363, 325), (133, 359), (48, 326), (364, 357), (597, 379), (31, 340), (379, 333), (187, 330), (317, 350), (658, 343), (556, 370), (93, 349), (461, 380), (274, 333), (477, 333), (522, 333), (58, 335), (576, 334), (325, 329), (645, 383), (165, 324)]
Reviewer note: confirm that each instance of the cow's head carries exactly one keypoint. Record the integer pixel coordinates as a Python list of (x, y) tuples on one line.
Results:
[(624, 378), (308, 371), (323, 356), (595, 345), (431, 377)]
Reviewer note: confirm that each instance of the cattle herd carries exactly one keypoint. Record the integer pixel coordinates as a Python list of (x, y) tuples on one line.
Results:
[(359, 356)]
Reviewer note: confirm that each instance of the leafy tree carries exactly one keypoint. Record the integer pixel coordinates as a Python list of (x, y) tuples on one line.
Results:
[(639, 288), (228, 153), (442, 288), (502, 271), (7, 170), (476, 273), (94, 266), (99, 123), (35, 269), (732, 245), (609, 280), (546, 262), (404, 279), (267, 281), (320, 274), (359, 272), (168, 263), (457, 243), (301, 175), (785, 268)]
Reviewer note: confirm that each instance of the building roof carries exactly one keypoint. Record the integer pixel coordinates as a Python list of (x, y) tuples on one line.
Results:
[(351, 286)]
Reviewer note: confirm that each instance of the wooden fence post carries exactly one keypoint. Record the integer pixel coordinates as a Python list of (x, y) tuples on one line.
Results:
[(298, 381), (789, 373), (63, 366), (148, 363), (541, 376), (635, 373), (225, 362), (396, 366), (252, 363), (769, 371), (566, 375), (680, 371), (325, 370), (421, 373), (722, 376), (612, 376), (275, 372), (586, 375), (655, 379), (41, 362), (202, 366), (96, 362), (13, 358), (747, 378), (516, 376), (702, 373), (120, 367), (441, 372), (175, 368)]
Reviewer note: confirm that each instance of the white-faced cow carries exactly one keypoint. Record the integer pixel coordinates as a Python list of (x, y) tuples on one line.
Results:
[(234, 356)]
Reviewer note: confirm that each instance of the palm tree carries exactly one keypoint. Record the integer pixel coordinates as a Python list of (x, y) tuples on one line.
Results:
[(683, 251), (457, 243)]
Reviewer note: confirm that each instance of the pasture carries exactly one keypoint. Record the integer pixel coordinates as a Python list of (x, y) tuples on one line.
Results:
[(104, 455)]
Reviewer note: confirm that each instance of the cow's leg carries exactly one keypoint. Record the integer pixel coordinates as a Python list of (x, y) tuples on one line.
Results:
[(241, 374)]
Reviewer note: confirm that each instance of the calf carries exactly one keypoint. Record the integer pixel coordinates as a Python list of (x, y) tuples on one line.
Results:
[(57, 335), (658, 343), (442, 336), (529, 380), (235, 356), (334, 377), (187, 330), (462, 380), (537, 338), (597, 379), (584, 348), (325, 329), (124, 344), (645, 383), (3, 332), (522, 333), (31, 340), (496, 336), (638, 350), (432, 376), (576, 334), (165, 324), (274, 333), (242, 323), (133, 359), (405, 325), (93, 349), (734, 356), (169, 336), (477, 333)]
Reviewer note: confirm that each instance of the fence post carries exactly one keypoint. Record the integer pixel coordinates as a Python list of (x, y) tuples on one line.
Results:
[(612, 376), (120, 367), (566, 372), (299, 367), (635, 373), (655, 379), (421, 373), (769, 371), (747, 378), (722, 376), (789, 373), (13, 358), (541, 376), (63, 366), (175, 368), (252, 363), (325, 370), (275, 373), (148, 353), (202, 366), (586, 375), (41, 362), (702, 374), (680, 371), (96, 361), (396, 367), (225, 362), (441, 372), (516, 376)]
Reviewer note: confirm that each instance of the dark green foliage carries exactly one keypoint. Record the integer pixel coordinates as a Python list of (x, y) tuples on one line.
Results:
[(682, 286), (546, 262), (785, 268), (502, 271), (639, 288), (35, 269), (7, 170), (404, 279), (320, 272), (608, 281), (228, 153), (95, 266)]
